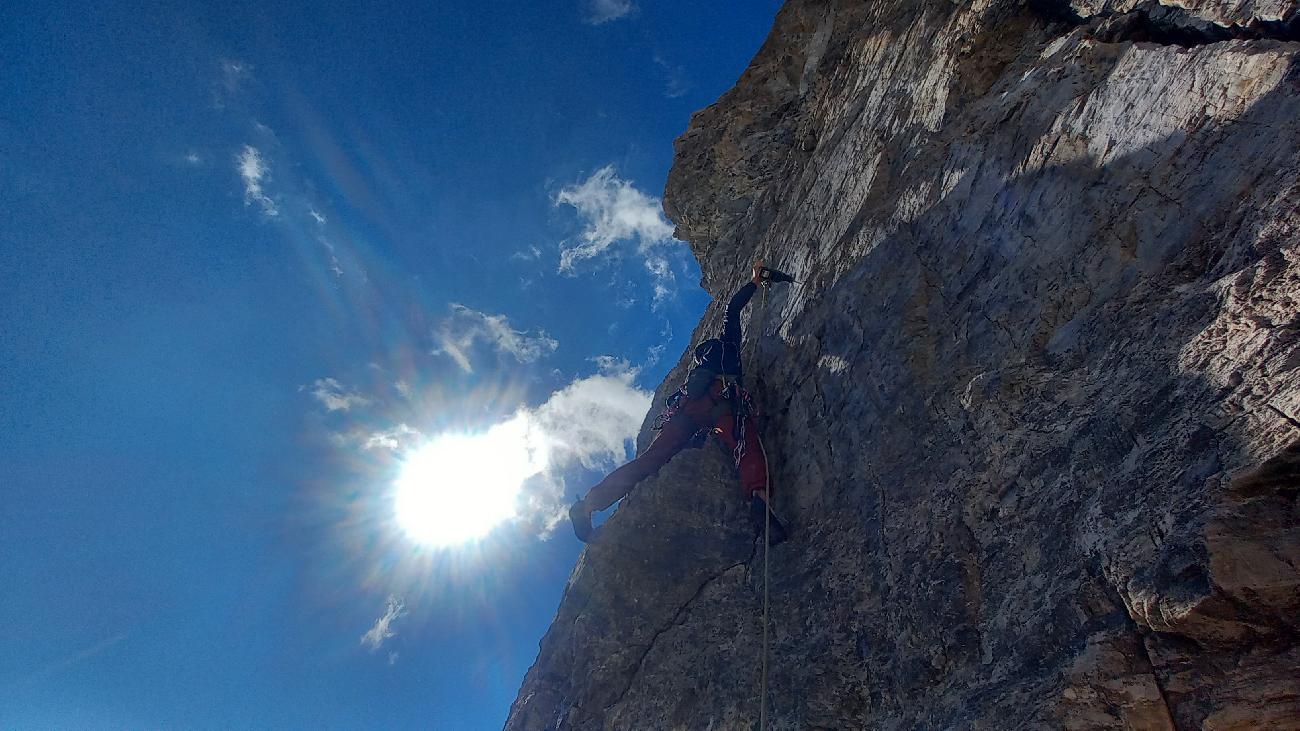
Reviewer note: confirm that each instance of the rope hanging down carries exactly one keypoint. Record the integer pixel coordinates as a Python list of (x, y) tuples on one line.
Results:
[(767, 529), (768, 276)]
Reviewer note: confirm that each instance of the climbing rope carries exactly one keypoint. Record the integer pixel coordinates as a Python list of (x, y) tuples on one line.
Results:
[(767, 528), (767, 516)]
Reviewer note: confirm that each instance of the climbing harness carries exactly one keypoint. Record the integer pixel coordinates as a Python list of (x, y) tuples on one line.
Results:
[(732, 396)]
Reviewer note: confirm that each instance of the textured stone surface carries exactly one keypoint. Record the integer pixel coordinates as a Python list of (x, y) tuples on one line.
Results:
[(1033, 411), (1193, 12)]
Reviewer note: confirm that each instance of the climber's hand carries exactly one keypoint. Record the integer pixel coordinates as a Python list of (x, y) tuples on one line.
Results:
[(758, 272)]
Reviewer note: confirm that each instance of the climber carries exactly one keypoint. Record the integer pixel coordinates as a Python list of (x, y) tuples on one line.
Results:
[(712, 400)]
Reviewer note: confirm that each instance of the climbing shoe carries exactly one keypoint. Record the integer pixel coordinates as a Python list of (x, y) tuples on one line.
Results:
[(581, 519), (777, 531)]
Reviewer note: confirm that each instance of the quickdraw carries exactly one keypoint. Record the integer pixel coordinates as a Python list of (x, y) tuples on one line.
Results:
[(742, 411), (672, 405)]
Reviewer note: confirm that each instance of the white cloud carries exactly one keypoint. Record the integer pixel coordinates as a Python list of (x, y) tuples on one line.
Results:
[(588, 422), (254, 171), (458, 334), (663, 278), (396, 440), (399, 437), (603, 11), (608, 365), (383, 628), (333, 395), (316, 216), (612, 210)]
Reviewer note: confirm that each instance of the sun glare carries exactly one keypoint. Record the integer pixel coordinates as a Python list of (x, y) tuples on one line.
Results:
[(457, 487)]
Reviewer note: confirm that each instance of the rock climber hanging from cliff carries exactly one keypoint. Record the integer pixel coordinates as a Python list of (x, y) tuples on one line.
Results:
[(712, 400)]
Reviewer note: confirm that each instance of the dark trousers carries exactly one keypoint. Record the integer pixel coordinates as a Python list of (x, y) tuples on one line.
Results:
[(694, 415)]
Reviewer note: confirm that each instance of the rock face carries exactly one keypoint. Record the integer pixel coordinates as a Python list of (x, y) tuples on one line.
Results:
[(1034, 411)]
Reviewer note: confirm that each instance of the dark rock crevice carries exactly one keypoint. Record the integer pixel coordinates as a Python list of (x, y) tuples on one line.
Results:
[(1285, 416), (1155, 677), (1143, 637), (1167, 25)]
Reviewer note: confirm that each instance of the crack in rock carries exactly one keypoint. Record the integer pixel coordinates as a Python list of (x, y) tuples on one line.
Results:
[(673, 622)]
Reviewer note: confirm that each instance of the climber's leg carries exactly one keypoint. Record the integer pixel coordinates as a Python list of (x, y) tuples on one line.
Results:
[(670, 440), (752, 466)]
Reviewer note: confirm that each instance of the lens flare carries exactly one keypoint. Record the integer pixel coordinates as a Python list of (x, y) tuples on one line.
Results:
[(458, 487)]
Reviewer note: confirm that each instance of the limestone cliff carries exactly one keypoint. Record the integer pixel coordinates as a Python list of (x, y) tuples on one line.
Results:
[(1034, 412)]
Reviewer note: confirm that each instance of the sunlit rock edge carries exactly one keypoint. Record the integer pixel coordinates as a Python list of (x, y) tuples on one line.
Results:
[(1033, 412)]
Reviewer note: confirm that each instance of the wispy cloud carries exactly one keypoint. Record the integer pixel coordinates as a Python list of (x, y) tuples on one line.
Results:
[(382, 630), (655, 353), (457, 336), (333, 395), (603, 11), (234, 74), (662, 276), (253, 170), (675, 84), (612, 210), (67, 663), (532, 253), (395, 439), (335, 266), (232, 77), (287, 195)]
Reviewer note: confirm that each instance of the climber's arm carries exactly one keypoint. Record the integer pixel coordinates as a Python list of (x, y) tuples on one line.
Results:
[(731, 328)]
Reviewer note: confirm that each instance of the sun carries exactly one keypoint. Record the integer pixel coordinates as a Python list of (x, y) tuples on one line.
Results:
[(457, 487)]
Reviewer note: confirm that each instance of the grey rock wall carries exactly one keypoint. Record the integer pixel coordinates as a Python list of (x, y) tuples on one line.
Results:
[(1034, 412)]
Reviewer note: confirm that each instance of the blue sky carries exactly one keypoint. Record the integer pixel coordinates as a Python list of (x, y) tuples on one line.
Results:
[(254, 257)]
